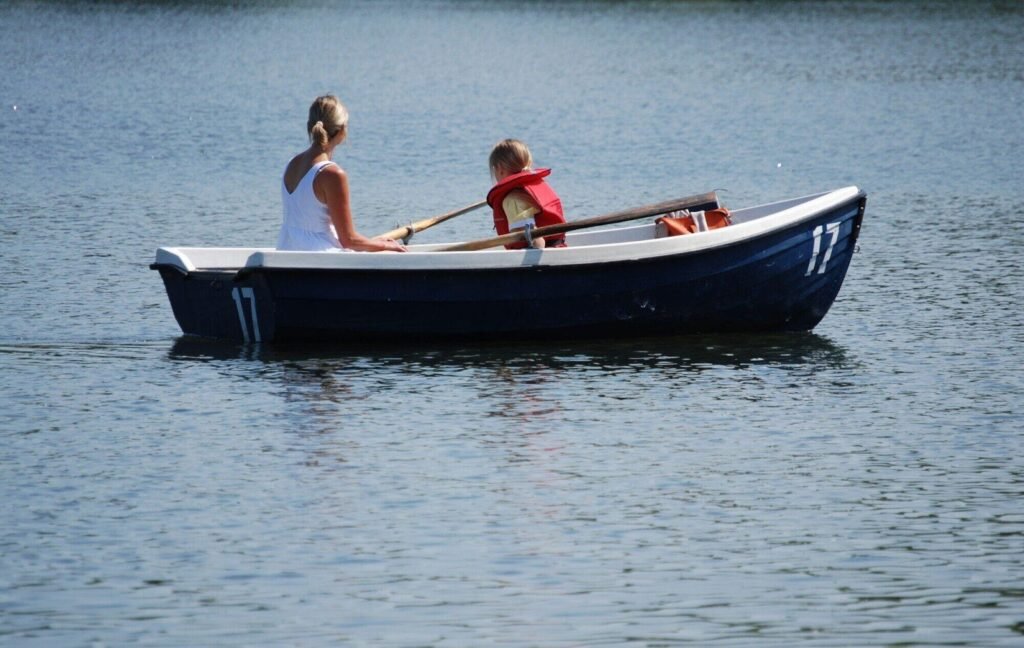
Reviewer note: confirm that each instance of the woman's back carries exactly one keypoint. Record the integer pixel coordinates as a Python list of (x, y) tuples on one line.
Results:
[(307, 222)]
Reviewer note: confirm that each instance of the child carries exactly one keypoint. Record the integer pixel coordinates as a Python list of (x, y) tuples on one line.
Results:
[(521, 197)]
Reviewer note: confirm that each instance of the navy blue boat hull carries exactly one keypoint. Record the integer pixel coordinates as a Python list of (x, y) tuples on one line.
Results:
[(780, 281)]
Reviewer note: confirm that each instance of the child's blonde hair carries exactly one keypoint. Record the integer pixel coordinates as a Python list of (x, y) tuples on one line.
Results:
[(511, 155), (327, 116)]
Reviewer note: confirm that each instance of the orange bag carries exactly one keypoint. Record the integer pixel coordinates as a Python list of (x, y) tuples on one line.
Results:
[(677, 225)]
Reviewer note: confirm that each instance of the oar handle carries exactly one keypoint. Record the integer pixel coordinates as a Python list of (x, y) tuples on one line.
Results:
[(406, 231), (702, 201)]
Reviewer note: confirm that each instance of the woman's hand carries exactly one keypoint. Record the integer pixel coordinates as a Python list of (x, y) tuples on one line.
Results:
[(391, 245)]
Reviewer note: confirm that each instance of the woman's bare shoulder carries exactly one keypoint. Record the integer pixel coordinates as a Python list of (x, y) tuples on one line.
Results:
[(331, 175), (333, 169), (330, 181)]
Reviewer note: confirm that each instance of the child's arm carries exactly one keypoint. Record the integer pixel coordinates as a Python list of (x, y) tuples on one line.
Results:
[(520, 210)]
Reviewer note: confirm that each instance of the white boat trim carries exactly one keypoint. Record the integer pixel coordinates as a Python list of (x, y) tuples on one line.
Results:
[(585, 247)]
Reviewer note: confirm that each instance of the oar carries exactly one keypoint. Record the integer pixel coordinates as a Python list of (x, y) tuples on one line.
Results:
[(405, 232), (702, 201)]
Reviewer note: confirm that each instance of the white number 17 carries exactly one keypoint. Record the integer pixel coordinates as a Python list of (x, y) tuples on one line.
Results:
[(831, 228), (238, 296)]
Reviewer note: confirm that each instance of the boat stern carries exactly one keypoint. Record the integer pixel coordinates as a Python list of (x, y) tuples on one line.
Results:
[(216, 302)]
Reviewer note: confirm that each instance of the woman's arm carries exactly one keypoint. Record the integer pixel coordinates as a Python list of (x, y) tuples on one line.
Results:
[(331, 188)]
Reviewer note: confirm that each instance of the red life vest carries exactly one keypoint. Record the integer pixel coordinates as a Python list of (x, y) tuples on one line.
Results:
[(531, 182)]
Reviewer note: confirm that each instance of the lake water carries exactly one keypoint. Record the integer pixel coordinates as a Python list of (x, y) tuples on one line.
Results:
[(858, 485)]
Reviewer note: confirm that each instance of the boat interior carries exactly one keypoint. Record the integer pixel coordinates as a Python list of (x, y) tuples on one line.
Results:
[(602, 238)]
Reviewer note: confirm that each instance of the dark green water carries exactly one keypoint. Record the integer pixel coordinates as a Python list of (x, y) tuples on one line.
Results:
[(859, 485)]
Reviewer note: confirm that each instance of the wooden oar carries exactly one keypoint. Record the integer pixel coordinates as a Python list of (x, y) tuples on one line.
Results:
[(703, 201), (405, 232)]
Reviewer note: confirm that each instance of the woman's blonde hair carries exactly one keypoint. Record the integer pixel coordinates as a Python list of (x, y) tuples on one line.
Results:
[(327, 116), (511, 155)]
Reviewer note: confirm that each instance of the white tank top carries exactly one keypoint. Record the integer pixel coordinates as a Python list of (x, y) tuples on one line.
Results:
[(307, 224)]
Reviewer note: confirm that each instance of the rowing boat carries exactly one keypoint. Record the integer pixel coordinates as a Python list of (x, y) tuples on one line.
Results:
[(774, 267)]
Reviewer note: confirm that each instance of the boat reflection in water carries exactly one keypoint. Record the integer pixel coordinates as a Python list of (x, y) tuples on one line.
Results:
[(672, 357)]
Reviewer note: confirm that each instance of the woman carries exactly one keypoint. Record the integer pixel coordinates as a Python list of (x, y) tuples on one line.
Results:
[(314, 190)]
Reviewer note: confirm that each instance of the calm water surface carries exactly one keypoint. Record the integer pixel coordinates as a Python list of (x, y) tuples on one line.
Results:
[(858, 485)]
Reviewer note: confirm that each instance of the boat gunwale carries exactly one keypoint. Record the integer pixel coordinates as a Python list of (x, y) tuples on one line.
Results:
[(270, 259)]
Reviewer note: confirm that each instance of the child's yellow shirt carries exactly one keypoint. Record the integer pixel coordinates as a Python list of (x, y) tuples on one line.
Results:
[(518, 209)]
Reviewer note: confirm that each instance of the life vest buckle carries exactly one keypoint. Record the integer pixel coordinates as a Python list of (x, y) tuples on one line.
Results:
[(528, 232)]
